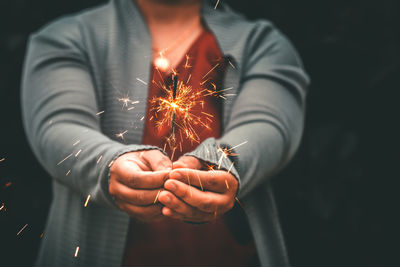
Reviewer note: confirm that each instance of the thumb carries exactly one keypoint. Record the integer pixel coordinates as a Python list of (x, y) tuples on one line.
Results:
[(156, 160), (189, 162)]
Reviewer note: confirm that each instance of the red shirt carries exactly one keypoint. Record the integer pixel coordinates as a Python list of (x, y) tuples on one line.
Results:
[(172, 242)]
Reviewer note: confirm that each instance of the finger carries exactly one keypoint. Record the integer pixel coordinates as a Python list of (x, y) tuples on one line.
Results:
[(156, 160), (145, 179), (169, 200), (135, 197), (187, 162), (204, 201), (149, 213), (215, 181), (173, 214)]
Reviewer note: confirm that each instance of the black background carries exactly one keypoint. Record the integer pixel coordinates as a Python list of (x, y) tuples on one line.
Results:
[(338, 197)]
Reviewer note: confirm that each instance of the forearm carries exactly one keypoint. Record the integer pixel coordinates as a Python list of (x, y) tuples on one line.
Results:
[(269, 118)]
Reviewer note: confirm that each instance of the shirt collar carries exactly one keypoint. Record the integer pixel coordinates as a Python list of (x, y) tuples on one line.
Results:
[(220, 21)]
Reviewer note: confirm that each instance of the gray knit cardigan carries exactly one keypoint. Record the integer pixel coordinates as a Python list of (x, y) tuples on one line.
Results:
[(80, 65)]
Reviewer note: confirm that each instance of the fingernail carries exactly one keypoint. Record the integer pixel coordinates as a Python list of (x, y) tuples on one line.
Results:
[(174, 175), (171, 186), (167, 199)]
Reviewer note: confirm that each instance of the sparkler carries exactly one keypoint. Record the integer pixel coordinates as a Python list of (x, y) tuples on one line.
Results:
[(87, 201), (22, 229), (176, 110), (226, 152), (76, 252)]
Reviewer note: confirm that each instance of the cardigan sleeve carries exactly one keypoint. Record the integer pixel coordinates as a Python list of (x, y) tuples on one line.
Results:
[(267, 114), (59, 113)]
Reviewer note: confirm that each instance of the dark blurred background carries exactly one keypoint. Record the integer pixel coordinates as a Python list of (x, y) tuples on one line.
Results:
[(338, 197)]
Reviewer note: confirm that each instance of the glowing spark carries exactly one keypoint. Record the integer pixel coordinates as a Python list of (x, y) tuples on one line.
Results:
[(230, 63), (87, 201), (155, 200), (230, 168), (2, 159), (240, 203), (77, 153), (213, 68), (131, 108), (216, 5), (187, 65), (67, 157), (77, 142), (68, 172), (110, 164), (207, 114), (98, 160), (227, 185), (210, 167), (125, 101), (201, 185), (177, 110), (121, 135), (76, 252), (140, 80), (100, 112), (190, 76), (22, 229), (226, 152), (2, 206)]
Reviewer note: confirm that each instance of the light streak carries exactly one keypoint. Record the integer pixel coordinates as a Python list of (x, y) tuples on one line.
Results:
[(22, 229), (121, 135), (77, 142), (240, 203), (8, 184), (2, 206), (230, 168), (155, 200), (216, 4), (213, 68), (226, 152), (177, 110), (87, 201), (100, 112), (76, 252), (227, 185), (2, 159), (41, 235), (111, 163), (68, 172), (142, 118), (67, 157), (98, 160), (140, 80), (77, 153), (230, 63)]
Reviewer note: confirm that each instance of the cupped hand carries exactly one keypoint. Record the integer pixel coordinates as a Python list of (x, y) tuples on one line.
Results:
[(197, 195), (136, 178)]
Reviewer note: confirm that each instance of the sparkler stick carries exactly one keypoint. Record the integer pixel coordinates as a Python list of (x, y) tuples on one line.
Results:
[(173, 98)]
